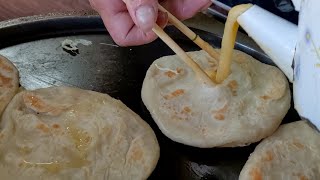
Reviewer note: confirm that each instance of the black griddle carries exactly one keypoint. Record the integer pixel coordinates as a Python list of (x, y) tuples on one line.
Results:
[(34, 45)]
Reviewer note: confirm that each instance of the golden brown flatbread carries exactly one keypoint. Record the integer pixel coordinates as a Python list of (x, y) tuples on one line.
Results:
[(9, 82), (68, 133), (292, 152), (247, 107)]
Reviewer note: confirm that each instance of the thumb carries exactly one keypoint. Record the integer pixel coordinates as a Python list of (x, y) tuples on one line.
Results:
[(144, 13)]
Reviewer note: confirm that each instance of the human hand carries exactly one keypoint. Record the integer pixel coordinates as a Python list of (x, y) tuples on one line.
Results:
[(130, 22)]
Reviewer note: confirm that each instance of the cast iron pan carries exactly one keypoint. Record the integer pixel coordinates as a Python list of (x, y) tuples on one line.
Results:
[(34, 46)]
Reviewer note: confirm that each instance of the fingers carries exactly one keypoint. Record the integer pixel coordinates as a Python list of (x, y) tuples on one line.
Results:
[(120, 24), (123, 30), (185, 9), (144, 13)]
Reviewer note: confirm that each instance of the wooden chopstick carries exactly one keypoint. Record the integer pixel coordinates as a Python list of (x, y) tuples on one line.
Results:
[(182, 54), (190, 34)]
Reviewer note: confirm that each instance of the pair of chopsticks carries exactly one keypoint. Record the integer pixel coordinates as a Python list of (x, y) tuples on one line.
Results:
[(179, 51)]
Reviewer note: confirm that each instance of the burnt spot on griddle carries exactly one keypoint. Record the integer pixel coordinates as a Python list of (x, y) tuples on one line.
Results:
[(69, 50)]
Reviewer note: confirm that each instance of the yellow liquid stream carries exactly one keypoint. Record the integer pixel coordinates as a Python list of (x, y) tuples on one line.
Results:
[(228, 41)]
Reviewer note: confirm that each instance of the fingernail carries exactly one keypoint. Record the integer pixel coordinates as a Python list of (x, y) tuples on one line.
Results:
[(162, 20), (145, 17)]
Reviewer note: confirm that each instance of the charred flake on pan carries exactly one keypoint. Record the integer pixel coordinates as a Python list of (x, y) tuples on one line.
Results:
[(71, 46)]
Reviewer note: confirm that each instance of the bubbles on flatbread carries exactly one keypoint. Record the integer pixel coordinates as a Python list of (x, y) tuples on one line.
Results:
[(247, 107)]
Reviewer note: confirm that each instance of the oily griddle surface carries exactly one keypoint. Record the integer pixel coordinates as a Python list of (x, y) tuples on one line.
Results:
[(35, 48)]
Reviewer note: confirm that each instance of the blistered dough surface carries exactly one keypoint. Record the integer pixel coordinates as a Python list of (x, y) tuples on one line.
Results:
[(248, 106), (9, 82), (69, 133), (292, 152)]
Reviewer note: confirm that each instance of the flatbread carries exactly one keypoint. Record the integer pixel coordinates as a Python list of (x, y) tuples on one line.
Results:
[(69, 134), (292, 152), (247, 107), (9, 82)]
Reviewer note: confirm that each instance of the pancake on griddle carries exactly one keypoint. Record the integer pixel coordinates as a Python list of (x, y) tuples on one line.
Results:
[(9, 82), (245, 108), (292, 152), (67, 133)]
